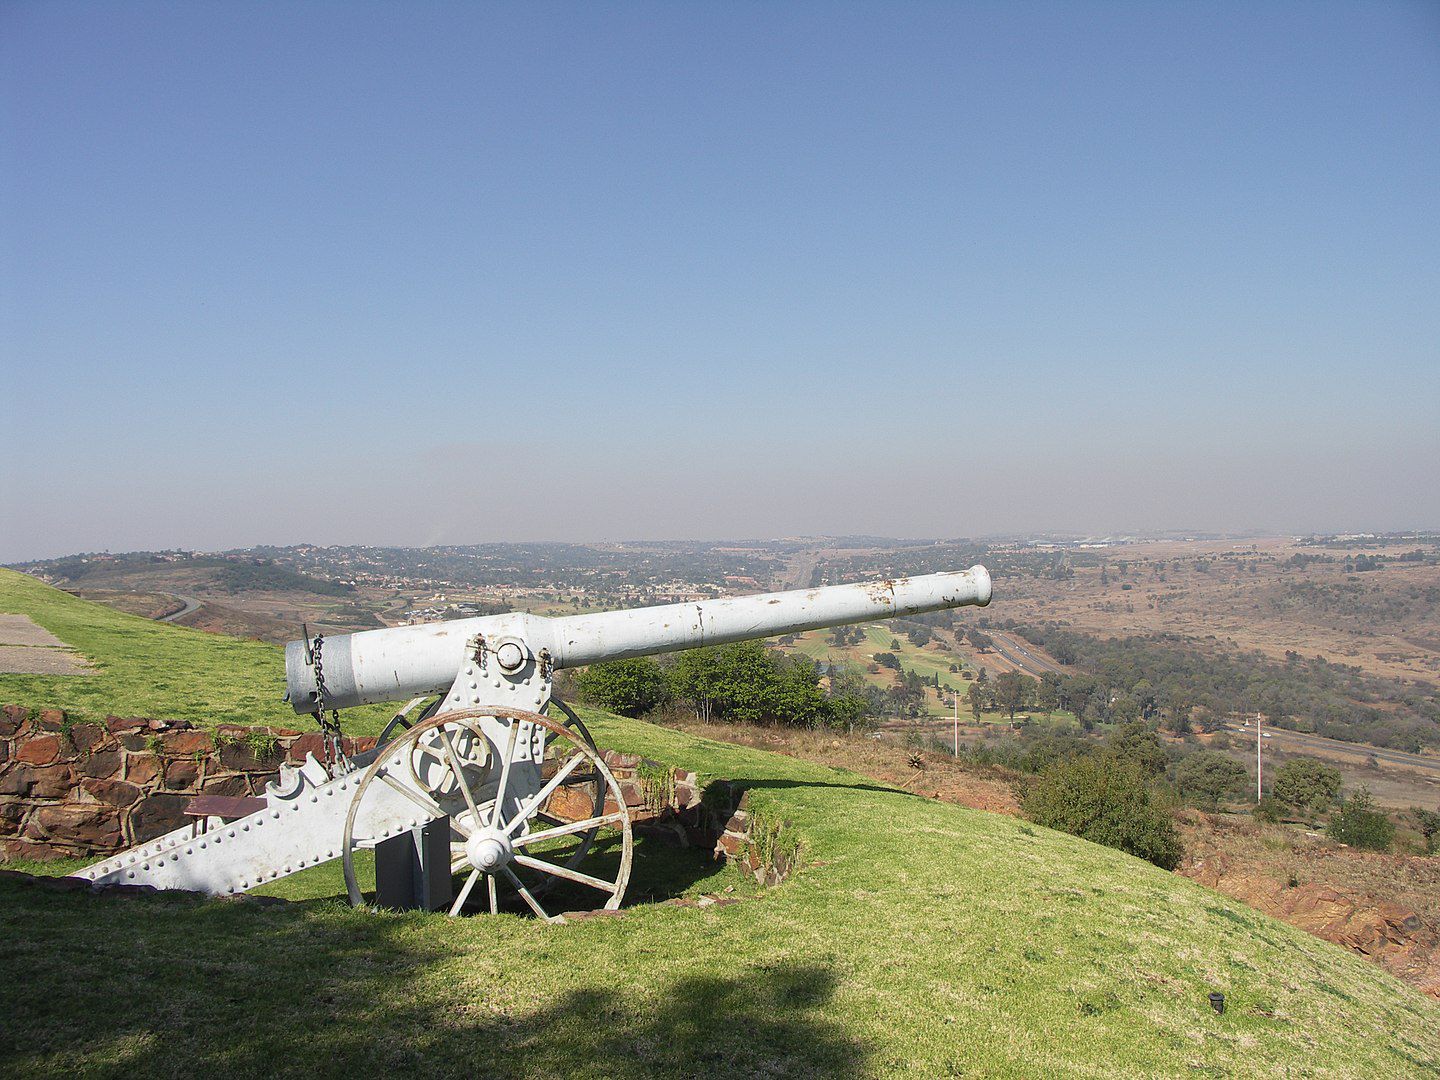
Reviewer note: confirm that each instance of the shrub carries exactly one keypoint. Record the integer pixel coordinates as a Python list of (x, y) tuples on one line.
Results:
[(628, 687), (1360, 825), (1428, 821), (1107, 800), (1208, 777), (1269, 809), (1308, 785), (1137, 743)]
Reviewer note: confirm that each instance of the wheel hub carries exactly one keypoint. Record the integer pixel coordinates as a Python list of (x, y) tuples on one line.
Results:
[(488, 850)]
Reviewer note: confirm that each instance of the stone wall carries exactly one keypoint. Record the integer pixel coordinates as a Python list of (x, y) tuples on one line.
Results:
[(93, 789)]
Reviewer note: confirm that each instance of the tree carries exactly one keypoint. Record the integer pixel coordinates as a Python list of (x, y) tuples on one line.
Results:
[(975, 696), (848, 704), (1207, 778), (1011, 691), (1047, 694), (1137, 742), (627, 687), (1308, 785), (1106, 800), (1360, 825), (747, 683)]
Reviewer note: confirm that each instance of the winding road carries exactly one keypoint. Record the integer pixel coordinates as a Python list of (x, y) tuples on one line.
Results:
[(191, 604)]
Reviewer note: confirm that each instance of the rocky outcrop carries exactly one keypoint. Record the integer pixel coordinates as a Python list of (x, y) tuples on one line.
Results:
[(1392, 935)]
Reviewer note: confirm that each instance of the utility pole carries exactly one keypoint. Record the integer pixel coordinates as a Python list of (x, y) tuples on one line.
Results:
[(1259, 762), (955, 696)]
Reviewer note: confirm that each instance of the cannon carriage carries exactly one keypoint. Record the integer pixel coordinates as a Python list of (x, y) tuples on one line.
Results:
[(483, 776)]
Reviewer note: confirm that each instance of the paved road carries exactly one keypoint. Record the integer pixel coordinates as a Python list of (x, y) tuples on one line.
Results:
[(191, 604), (1304, 741), (1022, 657)]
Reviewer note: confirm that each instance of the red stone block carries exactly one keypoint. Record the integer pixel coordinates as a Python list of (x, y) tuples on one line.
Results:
[(12, 719), (112, 792), (83, 825), (231, 786), (12, 813), (40, 750), (54, 782), (51, 720), (571, 804), (180, 743), (181, 774), (313, 743), (123, 725), (143, 769), (156, 815), (101, 764), (15, 780), (86, 737), (731, 845)]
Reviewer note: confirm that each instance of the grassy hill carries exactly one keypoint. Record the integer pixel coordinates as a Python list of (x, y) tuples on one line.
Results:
[(145, 668), (918, 938)]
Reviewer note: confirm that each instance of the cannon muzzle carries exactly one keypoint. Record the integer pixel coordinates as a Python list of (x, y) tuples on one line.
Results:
[(408, 661)]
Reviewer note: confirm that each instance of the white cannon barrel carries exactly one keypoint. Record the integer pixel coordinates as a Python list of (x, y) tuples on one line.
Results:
[(407, 661)]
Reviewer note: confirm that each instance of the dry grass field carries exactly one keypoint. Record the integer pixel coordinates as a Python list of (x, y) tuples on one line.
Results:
[(1248, 595)]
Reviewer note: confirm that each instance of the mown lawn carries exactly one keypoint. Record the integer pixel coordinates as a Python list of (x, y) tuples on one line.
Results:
[(918, 939), (145, 668)]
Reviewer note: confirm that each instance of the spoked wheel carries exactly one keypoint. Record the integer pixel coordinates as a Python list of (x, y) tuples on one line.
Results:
[(523, 829)]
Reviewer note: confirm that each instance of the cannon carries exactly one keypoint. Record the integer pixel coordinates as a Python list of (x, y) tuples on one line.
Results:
[(474, 777)]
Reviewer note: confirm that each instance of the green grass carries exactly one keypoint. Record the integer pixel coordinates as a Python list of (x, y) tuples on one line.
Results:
[(918, 939), (145, 668)]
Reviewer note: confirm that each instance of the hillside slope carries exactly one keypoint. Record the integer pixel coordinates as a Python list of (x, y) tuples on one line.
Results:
[(919, 938), (145, 668)]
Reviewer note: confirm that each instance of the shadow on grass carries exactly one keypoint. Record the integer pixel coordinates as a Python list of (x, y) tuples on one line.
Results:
[(162, 986)]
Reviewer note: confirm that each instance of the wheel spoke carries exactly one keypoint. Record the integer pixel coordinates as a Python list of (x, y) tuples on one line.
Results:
[(459, 774), (566, 873), (567, 829), (494, 895), (421, 801), (525, 893), (544, 793), (465, 892), (495, 820)]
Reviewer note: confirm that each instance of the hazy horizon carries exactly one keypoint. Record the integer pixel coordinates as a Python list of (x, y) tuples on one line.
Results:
[(446, 274)]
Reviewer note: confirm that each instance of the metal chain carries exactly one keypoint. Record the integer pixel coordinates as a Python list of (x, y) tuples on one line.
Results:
[(330, 729)]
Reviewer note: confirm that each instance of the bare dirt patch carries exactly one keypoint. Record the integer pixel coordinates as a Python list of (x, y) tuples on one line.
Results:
[(22, 630), (30, 660), (26, 648)]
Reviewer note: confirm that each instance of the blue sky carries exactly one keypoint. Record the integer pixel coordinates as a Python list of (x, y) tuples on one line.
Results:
[(416, 273)]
